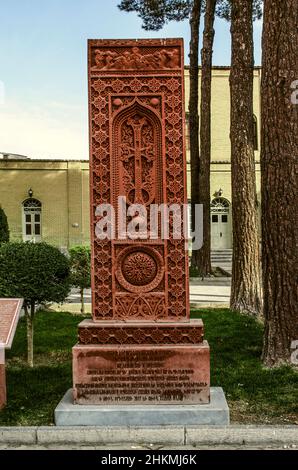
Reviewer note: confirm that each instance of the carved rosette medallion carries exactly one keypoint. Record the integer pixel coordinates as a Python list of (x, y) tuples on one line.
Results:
[(139, 268)]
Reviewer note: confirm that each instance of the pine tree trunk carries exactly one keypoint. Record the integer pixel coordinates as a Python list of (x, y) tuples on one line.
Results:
[(29, 312), (193, 114), (245, 288), (82, 301), (204, 255), (279, 181)]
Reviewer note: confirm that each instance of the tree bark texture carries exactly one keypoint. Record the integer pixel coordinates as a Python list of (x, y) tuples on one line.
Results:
[(193, 114), (279, 180), (245, 288), (82, 301), (204, 254), (30, 311)]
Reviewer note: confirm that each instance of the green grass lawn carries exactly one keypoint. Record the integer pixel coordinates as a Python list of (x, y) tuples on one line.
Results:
[(255, 395)]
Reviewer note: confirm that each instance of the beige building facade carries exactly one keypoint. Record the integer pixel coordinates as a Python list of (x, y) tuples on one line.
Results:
[(49, 199), (46, 200), (220, 180)]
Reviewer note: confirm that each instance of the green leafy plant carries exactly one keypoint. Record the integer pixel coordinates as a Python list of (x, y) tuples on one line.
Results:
[(35, 272)]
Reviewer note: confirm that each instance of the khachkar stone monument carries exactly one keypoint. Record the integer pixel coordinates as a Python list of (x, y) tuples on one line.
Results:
[(141, 349)]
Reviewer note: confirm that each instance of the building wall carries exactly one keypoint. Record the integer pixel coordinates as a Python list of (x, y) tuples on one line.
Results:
[(63, 186), (220, 111)]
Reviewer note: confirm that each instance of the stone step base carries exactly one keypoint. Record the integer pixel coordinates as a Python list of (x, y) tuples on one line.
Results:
[(214, 413)]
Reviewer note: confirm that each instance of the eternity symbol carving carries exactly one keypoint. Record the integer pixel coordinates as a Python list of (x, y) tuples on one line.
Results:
[(139, 268)]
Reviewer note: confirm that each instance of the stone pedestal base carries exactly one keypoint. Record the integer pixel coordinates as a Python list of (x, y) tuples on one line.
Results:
[(153, 364), (214, 413)]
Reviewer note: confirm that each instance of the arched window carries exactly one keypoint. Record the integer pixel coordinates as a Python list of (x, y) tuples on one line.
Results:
[(32, 220), (255, 129), (220, 205)]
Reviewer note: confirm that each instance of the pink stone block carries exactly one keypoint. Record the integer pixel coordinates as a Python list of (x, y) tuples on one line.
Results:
[(141, 374)]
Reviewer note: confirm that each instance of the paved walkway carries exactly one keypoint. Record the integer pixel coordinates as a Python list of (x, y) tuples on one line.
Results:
[(212, 292), (205, 294)]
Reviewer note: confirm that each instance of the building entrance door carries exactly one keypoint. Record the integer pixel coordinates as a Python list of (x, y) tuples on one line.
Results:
[(32, 220), (221, 233)]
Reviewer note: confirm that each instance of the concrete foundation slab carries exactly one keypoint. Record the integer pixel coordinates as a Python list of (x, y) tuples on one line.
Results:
[(214, 413)]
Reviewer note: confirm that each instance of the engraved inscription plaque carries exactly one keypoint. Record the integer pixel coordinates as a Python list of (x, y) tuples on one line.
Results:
[(143, 374)]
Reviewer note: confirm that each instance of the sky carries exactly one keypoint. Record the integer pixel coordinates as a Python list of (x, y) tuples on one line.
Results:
[(43, 69)]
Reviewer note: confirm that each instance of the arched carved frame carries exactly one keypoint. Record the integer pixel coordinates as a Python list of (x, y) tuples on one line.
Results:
[(121, 116), (137, 173)]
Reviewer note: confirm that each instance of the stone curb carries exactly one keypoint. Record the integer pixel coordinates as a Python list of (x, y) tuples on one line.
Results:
[(18, 435), (243, 435), (171, 435), (110, 435)]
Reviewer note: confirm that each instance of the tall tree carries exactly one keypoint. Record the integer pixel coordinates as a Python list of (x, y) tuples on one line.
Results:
[(204, 257), (279, 179), (224, 9), (245, 288), (193, 109), (154, 14)]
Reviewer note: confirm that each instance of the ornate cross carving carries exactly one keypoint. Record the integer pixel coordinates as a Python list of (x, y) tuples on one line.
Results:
[(138, 151)]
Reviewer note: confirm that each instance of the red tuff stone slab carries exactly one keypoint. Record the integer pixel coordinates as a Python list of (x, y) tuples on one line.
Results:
[(141, 346), (9, 315), (136, 99), (141, 333), (141, 374)]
